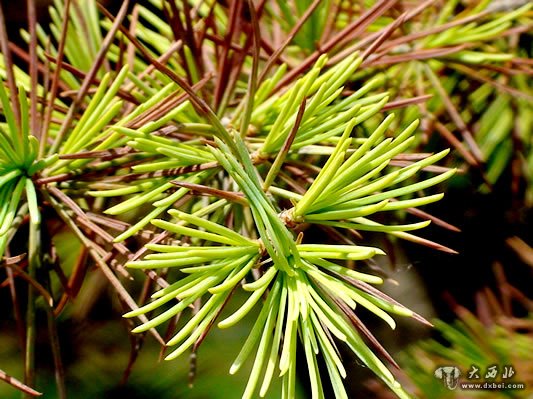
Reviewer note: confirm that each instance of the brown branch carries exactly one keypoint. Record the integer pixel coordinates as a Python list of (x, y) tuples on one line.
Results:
[(17, 384), (405, 102), (34, 283), (90, 75), (210, 191), (353, 29), (290, 36)]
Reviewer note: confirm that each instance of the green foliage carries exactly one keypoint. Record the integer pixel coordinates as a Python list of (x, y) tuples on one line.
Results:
[(176, 139), (479, 341), (309, 296), (18, 163)]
